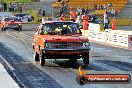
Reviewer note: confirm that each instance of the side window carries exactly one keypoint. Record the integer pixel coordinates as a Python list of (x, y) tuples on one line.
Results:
[(44, 29)]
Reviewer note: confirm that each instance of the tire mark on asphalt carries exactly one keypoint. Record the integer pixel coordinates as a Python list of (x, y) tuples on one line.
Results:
[(122, 65), (27, 73), (97, 66)]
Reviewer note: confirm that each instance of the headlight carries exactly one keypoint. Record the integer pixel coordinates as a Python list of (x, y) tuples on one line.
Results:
[(86, 45), (47, 45)]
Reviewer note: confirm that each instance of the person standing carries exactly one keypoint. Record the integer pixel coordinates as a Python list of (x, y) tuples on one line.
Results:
[(78, 19), (106, 21), (15, 7), (43, 12), (72, 15), (62, 18), (20, 8), (10, 7), (87, 11), (83, 11), (39, 11), (0, 6), (79, 11), (5, 6)]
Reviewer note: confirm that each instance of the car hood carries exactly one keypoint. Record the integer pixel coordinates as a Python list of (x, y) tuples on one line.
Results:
[(59, 38)]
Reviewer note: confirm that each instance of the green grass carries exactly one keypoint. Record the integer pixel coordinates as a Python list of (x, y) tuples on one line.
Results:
[(123, 22), (16, 1)]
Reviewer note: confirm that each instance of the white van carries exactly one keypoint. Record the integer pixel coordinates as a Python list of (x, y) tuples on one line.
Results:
[(5, 14)]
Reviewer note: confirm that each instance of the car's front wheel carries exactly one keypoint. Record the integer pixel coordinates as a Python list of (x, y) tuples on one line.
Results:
[(3, 29), (41, 58), (86, 59)]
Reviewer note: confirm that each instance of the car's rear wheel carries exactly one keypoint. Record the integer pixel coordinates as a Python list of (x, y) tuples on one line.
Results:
[(41, 58), (86, 59), (36, 56)]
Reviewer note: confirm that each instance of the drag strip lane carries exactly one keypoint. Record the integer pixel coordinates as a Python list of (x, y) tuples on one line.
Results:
[(26, 72), (64, 72)]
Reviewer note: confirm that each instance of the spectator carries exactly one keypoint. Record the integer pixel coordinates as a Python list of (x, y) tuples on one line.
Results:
[(83, 11), (20, 8), (5, 6), (95, 7), (110, 4), (98, 7), (78, 19), (101, 7), (64, 8), (116, 12), (14, 7), (72, 15), (87, 11), (60, 12), (62, 18), (62, 3), (10, 7), (0, 6), (79, 11), (40, 11), (106, 21), (43, 12), (108, 12), (104, 7), (112, 12)]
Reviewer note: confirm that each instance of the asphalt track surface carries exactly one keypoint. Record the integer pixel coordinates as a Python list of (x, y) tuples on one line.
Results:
[(16, 49)]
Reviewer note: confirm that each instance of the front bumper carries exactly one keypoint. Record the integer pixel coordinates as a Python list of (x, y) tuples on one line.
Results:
[(13, 27), (70, 51)]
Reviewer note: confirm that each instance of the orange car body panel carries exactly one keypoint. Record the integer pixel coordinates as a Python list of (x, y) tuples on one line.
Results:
[(40, 40)]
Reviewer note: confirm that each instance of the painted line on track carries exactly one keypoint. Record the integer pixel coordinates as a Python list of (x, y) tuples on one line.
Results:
[(10, 67)]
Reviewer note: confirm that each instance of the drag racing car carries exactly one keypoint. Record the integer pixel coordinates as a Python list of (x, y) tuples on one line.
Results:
[(11, 23), (60, 40)]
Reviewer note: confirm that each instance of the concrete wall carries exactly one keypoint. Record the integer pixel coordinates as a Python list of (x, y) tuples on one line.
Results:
[(129, 0)]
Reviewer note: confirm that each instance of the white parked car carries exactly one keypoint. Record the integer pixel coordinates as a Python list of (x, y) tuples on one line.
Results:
[(25, 17)]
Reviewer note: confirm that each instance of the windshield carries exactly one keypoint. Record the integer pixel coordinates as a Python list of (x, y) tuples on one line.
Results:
[(61, 28), (21, 15), (12, 19)]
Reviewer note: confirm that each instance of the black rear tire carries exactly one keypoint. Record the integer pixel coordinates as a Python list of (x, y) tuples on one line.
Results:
[(86, 59), (41, 58), (36, 56)]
